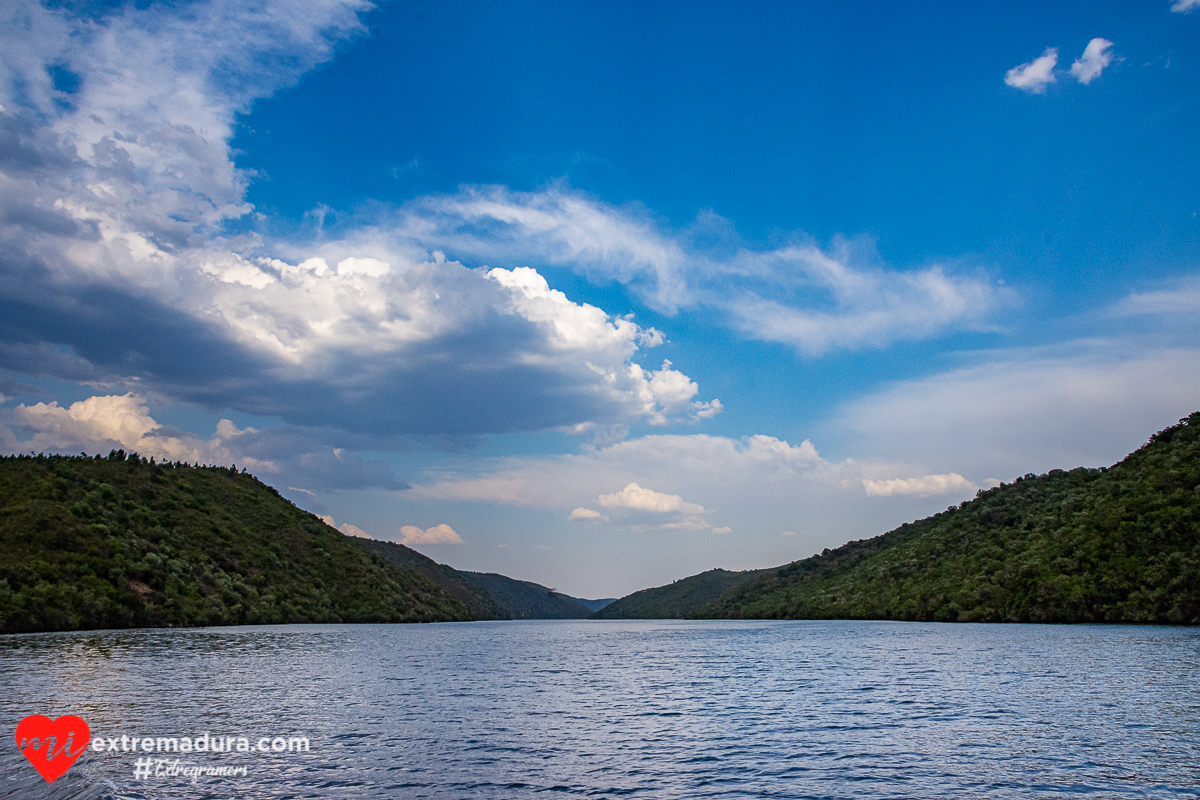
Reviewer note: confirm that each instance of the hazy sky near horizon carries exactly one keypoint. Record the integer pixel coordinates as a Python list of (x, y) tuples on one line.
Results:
[(601, 294)]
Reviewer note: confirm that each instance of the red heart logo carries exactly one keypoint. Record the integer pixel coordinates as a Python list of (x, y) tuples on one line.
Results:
[(47, 742)]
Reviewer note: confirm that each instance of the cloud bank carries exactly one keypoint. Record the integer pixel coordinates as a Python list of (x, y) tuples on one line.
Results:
[(119, 267)]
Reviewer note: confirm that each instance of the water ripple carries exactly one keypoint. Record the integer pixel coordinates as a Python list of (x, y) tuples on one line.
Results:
[(619, 709)]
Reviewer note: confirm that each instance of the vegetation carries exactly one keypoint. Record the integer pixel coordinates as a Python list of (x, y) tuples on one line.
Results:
[(596, 605), (679, 599), (527, 600), (1090, 545), (124, 542), (457, 584)]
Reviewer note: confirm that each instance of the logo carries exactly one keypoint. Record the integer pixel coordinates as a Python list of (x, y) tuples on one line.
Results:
[(47, 743)]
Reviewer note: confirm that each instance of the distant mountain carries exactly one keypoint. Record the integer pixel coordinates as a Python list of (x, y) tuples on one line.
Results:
[(595, 605), (679, 599), (527, 600), (121, 542), (1120, 544), (487, 595)]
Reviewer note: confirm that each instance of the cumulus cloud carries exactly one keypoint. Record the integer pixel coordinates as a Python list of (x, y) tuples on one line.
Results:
[(108, 422), (116, 266), (648, 505), (588, 515), (1034, 76), (111, 422), (1095, 58), (639, 499), (345, 527), (438, 534), (923, 486)]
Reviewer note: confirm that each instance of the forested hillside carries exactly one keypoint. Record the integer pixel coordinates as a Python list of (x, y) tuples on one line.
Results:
[(1120, 544), (457, 584), (678, 599), (525, 599), (123, 542)]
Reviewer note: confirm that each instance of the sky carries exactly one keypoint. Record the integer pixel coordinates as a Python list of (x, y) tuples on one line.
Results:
[(601, 294)]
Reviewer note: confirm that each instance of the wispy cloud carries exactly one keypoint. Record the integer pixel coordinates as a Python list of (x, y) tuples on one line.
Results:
[(1181, 298), (1184, 6), (812, 298), (1012, 412), (1034, 76), (1096, 56)]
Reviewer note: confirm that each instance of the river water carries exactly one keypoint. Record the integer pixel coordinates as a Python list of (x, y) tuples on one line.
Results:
[(648, 709)]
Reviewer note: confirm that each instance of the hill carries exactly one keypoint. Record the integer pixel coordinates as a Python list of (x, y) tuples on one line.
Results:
[(679, 599), (1120, 544), (486, 595), (595, 605), (527, 600), (457, 584), (122, 542)]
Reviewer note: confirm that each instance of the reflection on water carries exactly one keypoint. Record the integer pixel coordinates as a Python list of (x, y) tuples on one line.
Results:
[(609, 709)]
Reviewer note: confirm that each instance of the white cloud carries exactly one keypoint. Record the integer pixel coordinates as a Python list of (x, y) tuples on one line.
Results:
[(571, 480), (112, 422), (722, 530), (924, 486), (587, 514), (1182, 298), (438, 534), (109, 422), (1184, 6), (1086, 403), (639, 499), (1034, 76), (813, 299), (1095, 58), (768, 483), (345, 527), (124, 189)]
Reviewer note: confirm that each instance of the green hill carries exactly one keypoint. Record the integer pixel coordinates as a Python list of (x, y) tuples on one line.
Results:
[(596, 605), (485, 594), (457, 584), (1120, 544), (527, 600), (679, 599), (121, 542)]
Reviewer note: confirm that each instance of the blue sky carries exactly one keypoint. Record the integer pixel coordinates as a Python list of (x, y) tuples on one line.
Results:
[(423, 267)]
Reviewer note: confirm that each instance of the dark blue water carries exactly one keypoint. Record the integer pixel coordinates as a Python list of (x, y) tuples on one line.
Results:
[(618, 709)]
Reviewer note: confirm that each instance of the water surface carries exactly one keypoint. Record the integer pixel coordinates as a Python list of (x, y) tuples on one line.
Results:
[(619, 709)]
